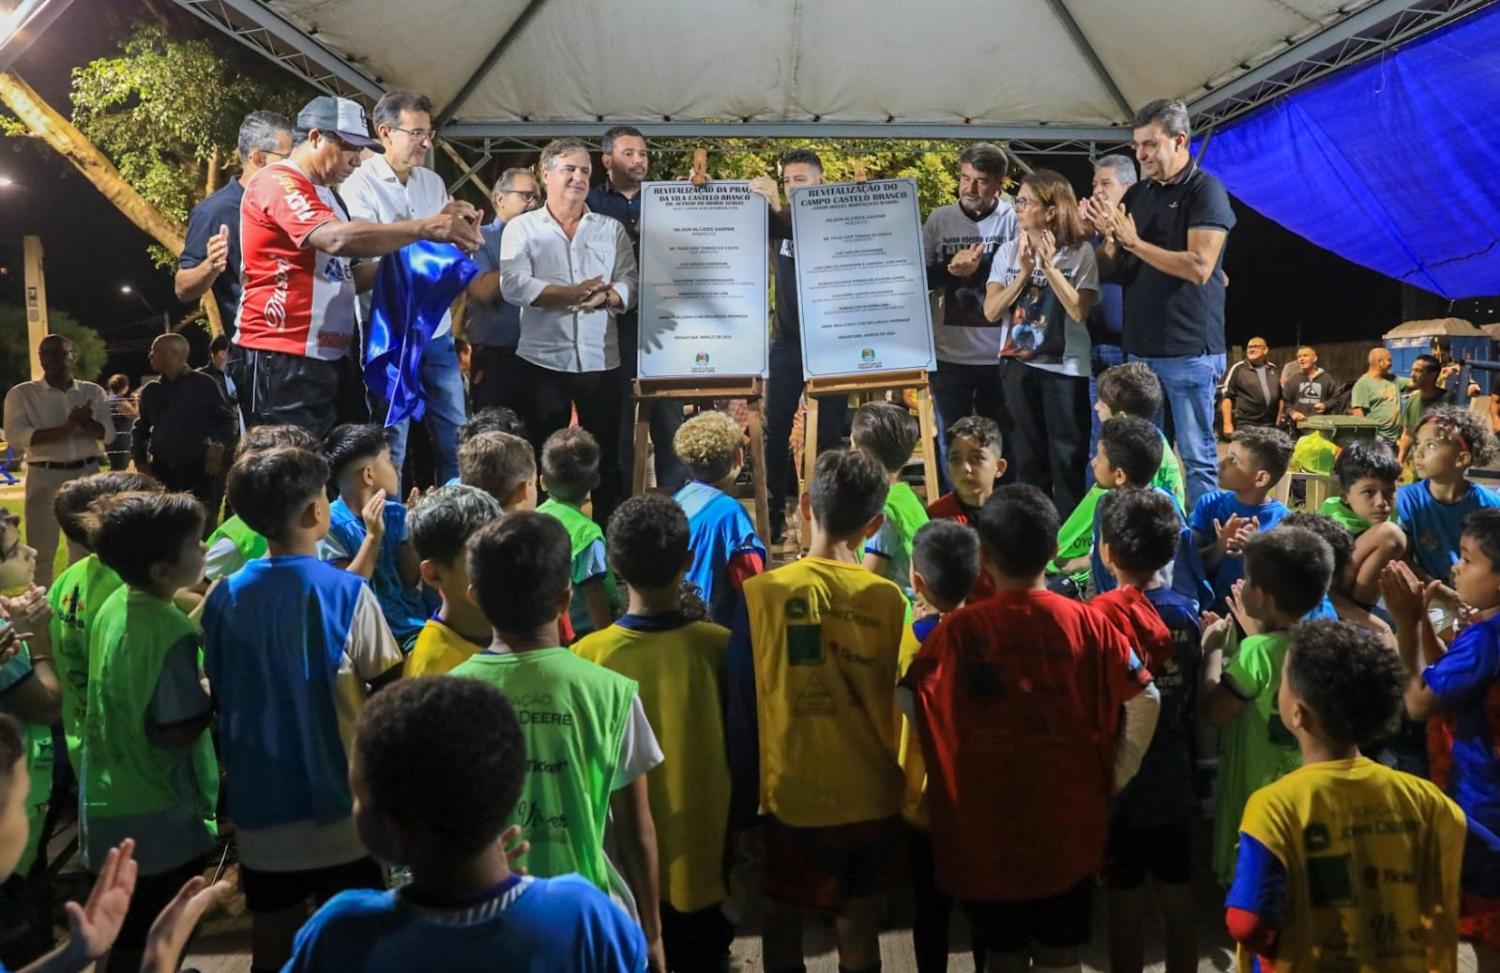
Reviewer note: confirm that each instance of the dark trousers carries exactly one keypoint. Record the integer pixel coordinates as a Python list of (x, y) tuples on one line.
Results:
[(497, 379), (932, 910), (152, 894), (663, 415), (963, 390), (185, 475), (280, 389), (1047, 430), (782, 395), (696, 942), (596, 396)]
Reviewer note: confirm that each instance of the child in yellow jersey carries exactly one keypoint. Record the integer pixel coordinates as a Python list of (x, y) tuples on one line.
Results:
[(945, 569), (1345, 864), (440, 524), (678, 664), (888, 432), (502, 465), (813, 726)]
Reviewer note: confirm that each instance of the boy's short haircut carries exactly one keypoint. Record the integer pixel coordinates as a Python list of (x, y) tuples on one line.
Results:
[(269, 490), (848, 489), (12, 749), (1141, 527), (1270, 449), (1131, 389), (977, 429), (1018, 525), (946, 554), (570, 462), (352, 443), (1471, 429), (1132, 444), (1351, 681), (647, 541), (260, 438), (1334, 534), (442, 521), (494, 419), (496, 462), (445, 758), (133, 531), (887, 431), (520, 566), (1366, 461), (1484, 526), (72, 501), (1291, 564), (709, 444)]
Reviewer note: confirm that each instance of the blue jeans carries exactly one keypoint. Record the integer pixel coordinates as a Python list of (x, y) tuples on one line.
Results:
[(445, 410), (1101, 359), (1188, 384)]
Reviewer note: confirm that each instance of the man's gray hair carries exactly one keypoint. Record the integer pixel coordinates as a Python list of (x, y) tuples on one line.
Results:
[(560, 147), (391, 104), (1123, 165), (1171, 113), (261, 130), (985, 157), (507, 179)]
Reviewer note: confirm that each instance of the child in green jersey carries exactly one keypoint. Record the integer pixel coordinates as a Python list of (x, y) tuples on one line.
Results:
[(570, 469), (1287, 571), (149, 771), (1366, 505), (588, 742), (888, 432)]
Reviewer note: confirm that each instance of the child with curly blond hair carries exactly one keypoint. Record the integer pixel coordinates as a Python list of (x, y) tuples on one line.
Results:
[(726, 550)]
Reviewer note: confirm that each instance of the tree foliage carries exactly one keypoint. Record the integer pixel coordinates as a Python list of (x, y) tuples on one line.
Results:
[(15, 350), (163, 107)]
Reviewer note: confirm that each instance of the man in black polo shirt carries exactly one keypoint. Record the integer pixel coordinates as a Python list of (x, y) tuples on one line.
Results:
[(626, 163), (1165, 243), (211, 255)]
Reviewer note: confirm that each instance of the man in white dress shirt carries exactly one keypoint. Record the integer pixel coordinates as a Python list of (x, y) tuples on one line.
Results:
[(389, 188), (571, 271), (62, 425)]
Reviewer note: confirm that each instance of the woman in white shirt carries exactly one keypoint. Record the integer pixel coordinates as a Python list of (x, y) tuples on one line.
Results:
[(1042, 286)]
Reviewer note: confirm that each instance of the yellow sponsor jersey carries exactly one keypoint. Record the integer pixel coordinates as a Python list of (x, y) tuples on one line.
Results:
[(826, 637), (439, 650)]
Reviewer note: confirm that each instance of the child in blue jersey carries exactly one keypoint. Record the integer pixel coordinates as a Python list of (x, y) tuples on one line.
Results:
[(440, 811), (502, 465), (1460, 682), (233, 542), (1366, 507), (726, 549), (888, 432), (945, 572), (94, 925), (367, 528), (570, 469), (1449, 442), (1129, 455), (1151, 819), (1346, 864), (1223, 520), (292, 646)]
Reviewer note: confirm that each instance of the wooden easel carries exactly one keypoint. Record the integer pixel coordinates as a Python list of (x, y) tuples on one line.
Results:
[(878, 382), (750, 388)]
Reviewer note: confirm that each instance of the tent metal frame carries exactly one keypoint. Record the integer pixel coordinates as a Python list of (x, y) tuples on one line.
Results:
[(1301, 60)]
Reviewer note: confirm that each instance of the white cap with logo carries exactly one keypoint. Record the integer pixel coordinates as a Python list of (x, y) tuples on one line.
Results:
[(344, 119)]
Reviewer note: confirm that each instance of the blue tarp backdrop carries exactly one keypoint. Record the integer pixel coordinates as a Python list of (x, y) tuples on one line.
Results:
[(1393, 164)]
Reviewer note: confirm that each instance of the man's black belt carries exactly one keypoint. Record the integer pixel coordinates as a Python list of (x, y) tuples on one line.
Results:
[(75, 465)]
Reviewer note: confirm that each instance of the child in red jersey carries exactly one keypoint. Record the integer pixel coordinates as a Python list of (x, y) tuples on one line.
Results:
[(1018, 702), (974, 467)]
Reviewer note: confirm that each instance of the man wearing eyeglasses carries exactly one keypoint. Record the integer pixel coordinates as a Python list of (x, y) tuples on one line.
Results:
[(211, 255), (496, 374), (390, 187), (296, 320)]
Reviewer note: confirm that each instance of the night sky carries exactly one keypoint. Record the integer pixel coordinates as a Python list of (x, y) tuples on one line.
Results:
[(1281, 286)]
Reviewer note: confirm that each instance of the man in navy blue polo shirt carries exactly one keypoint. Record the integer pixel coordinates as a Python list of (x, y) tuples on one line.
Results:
[(626, 163), (211, 254), (497, 374), (1165, 243)]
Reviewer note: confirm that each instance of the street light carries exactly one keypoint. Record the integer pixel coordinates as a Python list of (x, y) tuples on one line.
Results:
[(129, 291), (6, 182)]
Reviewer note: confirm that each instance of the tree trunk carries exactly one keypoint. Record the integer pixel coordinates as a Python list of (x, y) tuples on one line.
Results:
[(58, 132)]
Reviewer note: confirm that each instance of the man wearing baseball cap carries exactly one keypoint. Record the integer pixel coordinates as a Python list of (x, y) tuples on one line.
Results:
[(296, 318)]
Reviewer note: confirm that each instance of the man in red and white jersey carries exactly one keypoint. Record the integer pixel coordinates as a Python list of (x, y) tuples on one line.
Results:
[(296, 318)]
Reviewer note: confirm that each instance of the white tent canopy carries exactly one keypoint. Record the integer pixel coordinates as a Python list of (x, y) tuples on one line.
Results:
[(1041, 70)]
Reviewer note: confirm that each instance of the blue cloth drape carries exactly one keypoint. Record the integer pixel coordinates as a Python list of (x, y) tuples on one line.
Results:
[(414, 288), (1390, 164)]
